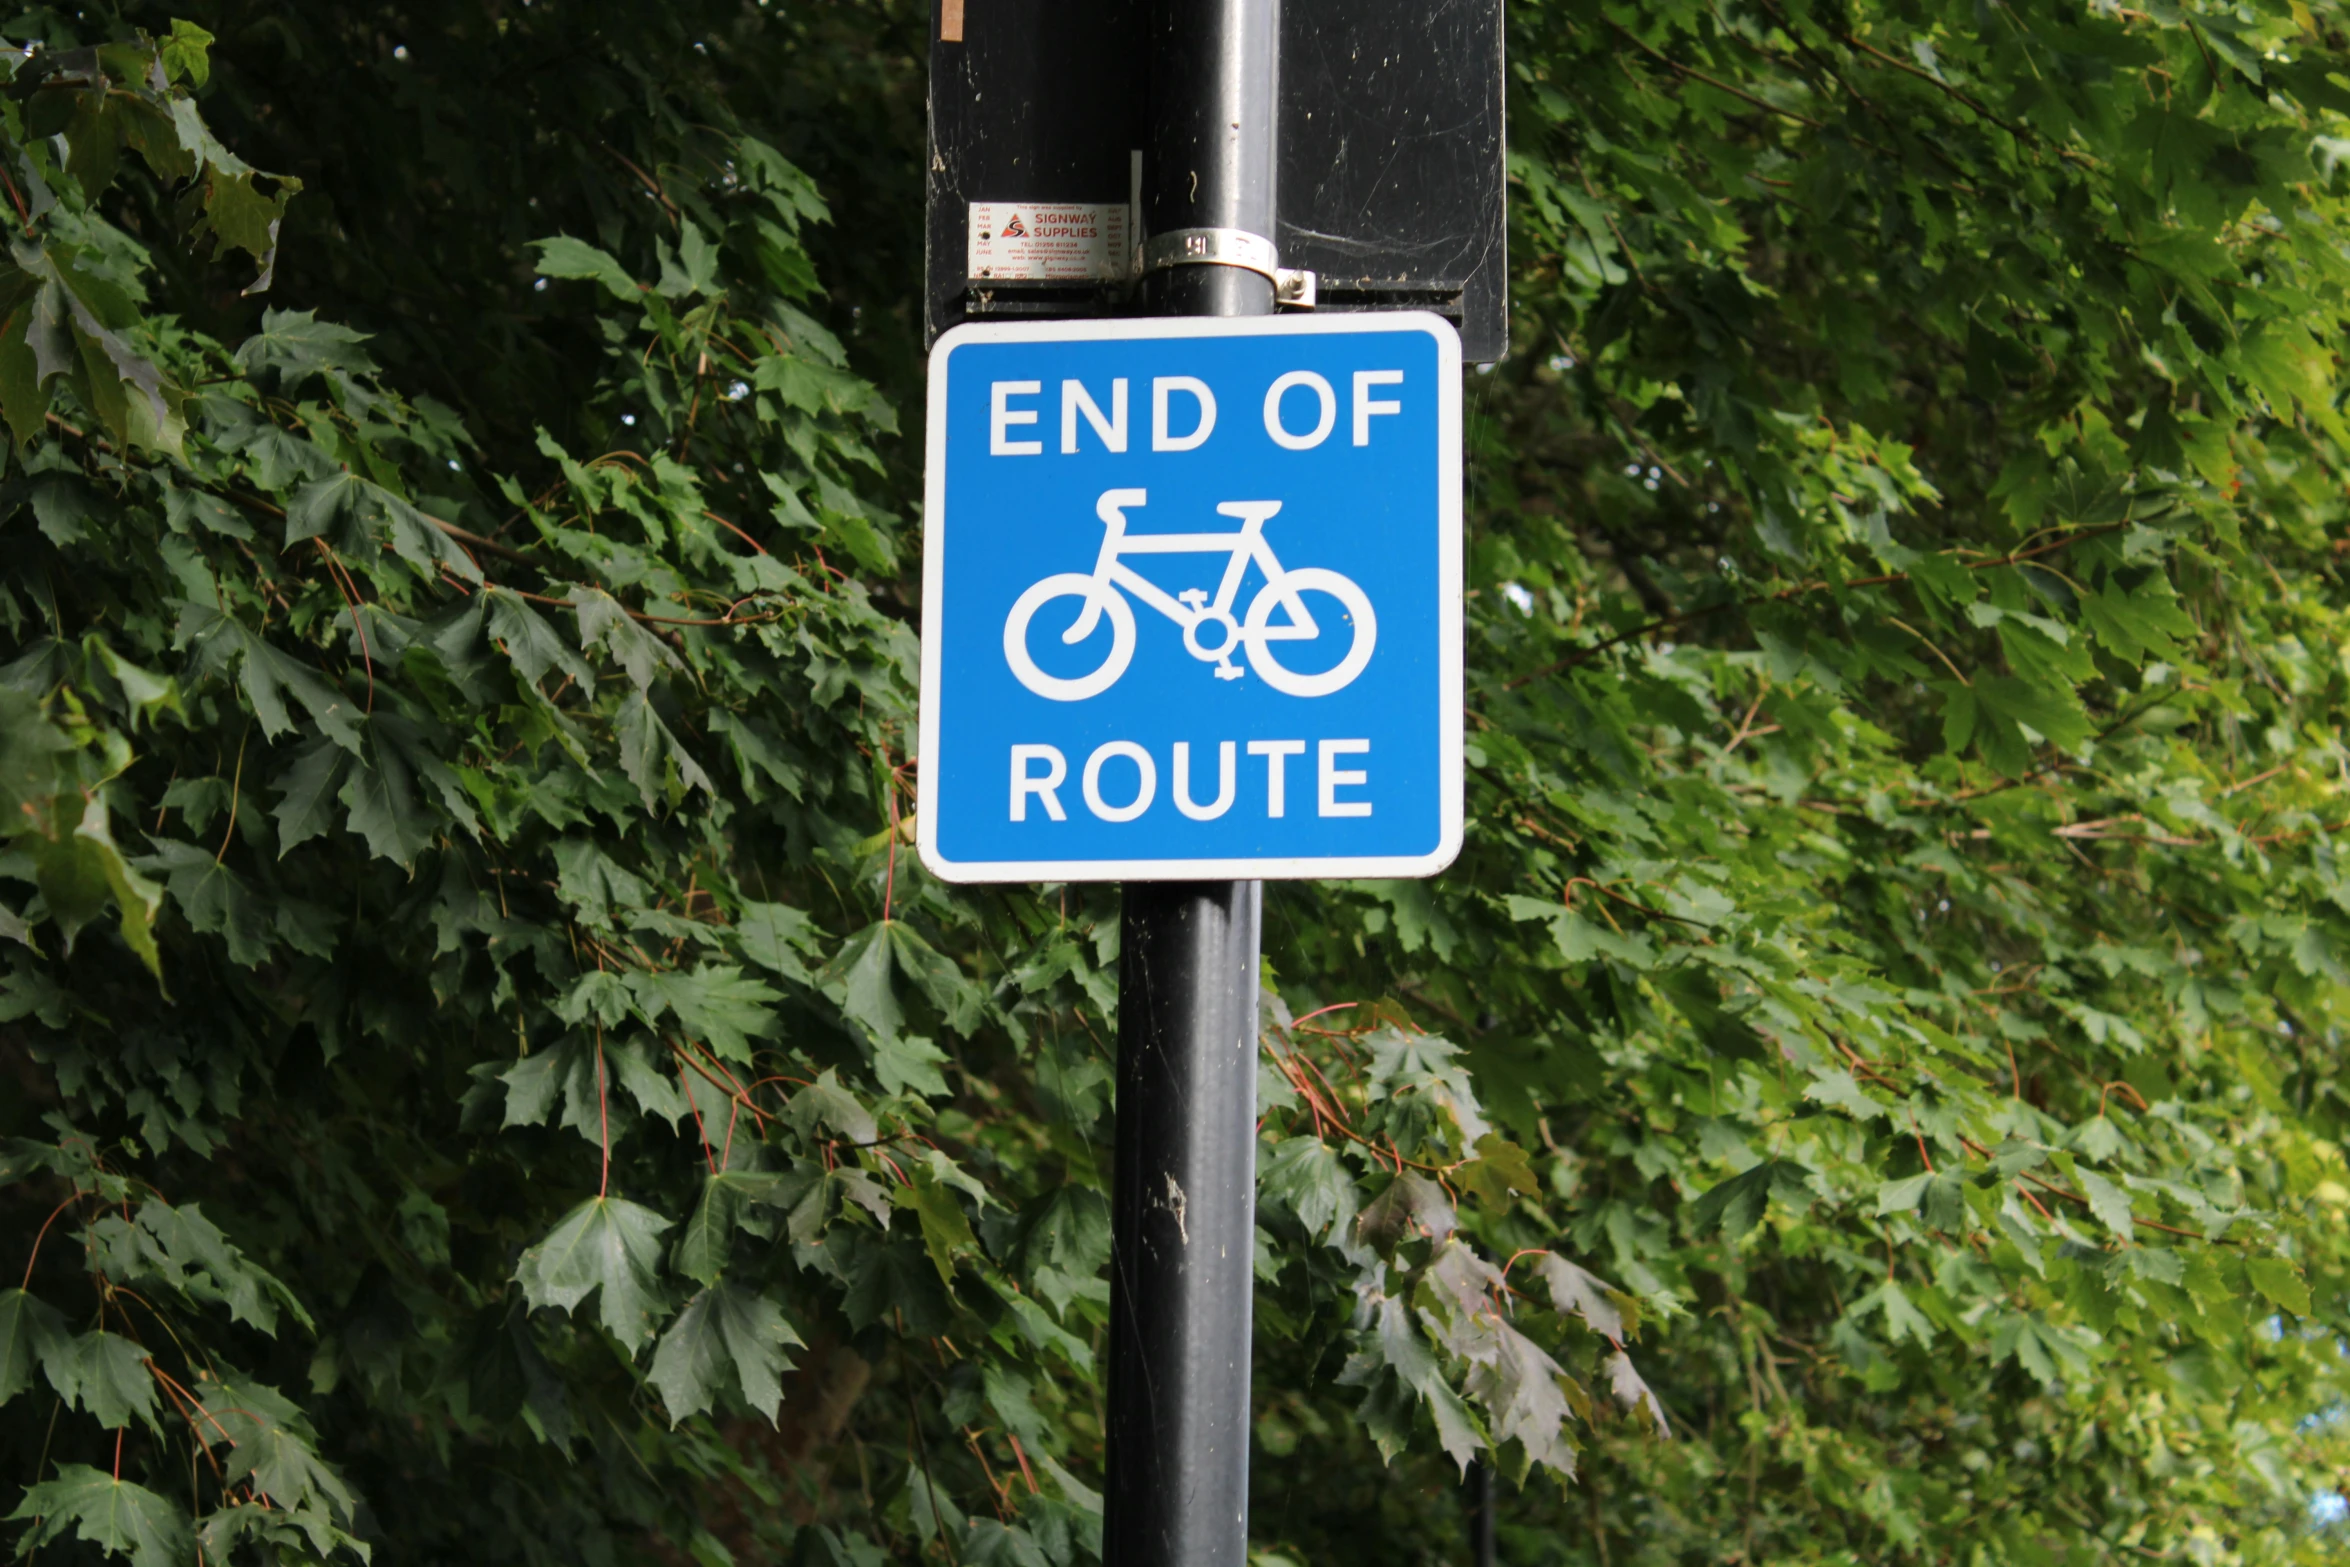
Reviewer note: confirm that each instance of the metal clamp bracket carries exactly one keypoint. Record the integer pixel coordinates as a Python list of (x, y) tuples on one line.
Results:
[(1226, 248)]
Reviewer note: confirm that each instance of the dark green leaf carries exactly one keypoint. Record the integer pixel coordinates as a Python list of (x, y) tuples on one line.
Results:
[(104, 1375), (708, 1238), (946, 1233), (114, 1515), (264, 1439), (716, 1004), (729, 1342), (295, 345), (566, 257), (606, 1246), (30, 1332), (1736, 1206)]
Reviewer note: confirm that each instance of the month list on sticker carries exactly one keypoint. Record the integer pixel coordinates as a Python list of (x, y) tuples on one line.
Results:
[(1021, 241)]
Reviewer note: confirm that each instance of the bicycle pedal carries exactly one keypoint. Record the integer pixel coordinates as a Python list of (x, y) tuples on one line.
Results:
[(1227, 672)]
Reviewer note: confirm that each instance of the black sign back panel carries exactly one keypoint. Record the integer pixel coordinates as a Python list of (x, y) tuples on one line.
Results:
[(1041, 101), (1391, 159), (1391, 150)]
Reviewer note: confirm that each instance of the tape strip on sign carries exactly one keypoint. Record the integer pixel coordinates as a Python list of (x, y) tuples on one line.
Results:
[(1192, 600)]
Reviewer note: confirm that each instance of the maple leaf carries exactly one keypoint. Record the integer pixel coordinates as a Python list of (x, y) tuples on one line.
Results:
[(609, 1247), (730, 1341), (114, 1515)]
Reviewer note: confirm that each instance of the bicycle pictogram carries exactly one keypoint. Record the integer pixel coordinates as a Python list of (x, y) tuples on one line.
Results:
[(1254, 633)]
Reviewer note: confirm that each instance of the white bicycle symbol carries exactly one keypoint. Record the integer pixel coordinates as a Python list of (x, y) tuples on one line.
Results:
[(1254, 633)]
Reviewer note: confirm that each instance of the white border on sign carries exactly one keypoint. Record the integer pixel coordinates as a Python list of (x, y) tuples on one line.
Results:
[(1449, 592)]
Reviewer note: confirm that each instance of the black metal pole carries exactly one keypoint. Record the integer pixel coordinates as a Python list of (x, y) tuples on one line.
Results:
[(1184, 1204), (1483, 1541), (1213, 153), (1184, 1217)]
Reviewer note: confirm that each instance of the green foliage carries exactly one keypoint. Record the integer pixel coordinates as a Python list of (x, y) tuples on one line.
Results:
[(116, 1516), (727, 1341), (608, 1248), (488, 1079)]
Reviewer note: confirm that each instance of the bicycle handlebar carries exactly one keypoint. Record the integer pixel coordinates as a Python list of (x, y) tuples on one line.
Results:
[(1111, 508)]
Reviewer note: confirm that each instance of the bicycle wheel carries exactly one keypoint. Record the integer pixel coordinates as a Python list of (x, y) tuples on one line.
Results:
[(1358, 615), (1077, 584)]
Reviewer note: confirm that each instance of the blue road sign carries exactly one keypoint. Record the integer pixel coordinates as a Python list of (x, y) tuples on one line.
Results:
[(1192, 600)]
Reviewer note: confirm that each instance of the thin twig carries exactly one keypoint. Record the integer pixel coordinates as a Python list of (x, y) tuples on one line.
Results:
[(2015, 131), (44, 1235), (604, 1115), (235, 788), (1801, 590)]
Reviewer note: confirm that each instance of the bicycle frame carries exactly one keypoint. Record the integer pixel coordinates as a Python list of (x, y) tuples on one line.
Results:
[(1243, 546)]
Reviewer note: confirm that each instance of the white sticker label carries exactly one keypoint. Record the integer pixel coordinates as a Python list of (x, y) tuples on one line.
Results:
[(1083, 242)]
